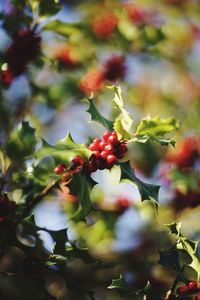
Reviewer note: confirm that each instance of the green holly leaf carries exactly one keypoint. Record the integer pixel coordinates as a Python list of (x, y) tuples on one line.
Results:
[(191, 248), (81, 187), (175, 228), (64, 150), (156, 126), (119, 283), (60, 238), (123, 123), (22, 142), (149, 138), (147, 191), (97, 117), (169, 258), (45, 7), (62, 28)]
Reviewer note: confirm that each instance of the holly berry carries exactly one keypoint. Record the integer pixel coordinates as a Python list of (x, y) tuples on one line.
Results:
[(114, 68), (97, 141), (94, 147), (111, 158), (182, 290), (122, 204), (192, 285), (197, 296), (105, 152), (109, 149), (59, 169), (104, 155), (24, 48), (6, 76), (106, 135), (77, 160), (122, 148), (113, 140)]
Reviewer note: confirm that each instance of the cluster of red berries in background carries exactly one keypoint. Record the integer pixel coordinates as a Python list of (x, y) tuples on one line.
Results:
[(25, 47), (182, 200), (113, 69), (7, 208), (186, 290), (105, 153), (187, 152)]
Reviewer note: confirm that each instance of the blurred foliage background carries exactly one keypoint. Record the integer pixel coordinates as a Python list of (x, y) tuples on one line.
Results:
[(53, 55)]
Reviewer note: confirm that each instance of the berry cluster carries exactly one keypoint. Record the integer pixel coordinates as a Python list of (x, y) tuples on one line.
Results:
[(7, 208), (187, 289), (113, 69), (24, 48), (75, 166), (106, 153)]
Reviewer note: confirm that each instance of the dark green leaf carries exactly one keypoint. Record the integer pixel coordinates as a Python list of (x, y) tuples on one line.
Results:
[(147, 191), (81, 187), (97, 117), (22, 142), (119, 283)]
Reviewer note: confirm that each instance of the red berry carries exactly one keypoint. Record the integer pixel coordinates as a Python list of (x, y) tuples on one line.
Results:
[(182, 290), (96, 153), (59, 169), (192, 285), (111, 158), (6, 77), (77, 160), (113, 140), (109, 149), (114, 133), (197, 296), (122, 204), (102, 145), (122, 148), (94, 147), (106, 135), (102, 164), (96, 141), (104, 155)]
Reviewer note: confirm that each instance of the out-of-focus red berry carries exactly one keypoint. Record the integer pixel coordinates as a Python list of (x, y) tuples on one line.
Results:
[(6, 77), (115, 68), (192, 285), (92, 81), (136, 14), (24, 49), (197, 296), (104, 26), (187, 152), (66, 56), (122, 204), (182, 290)]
